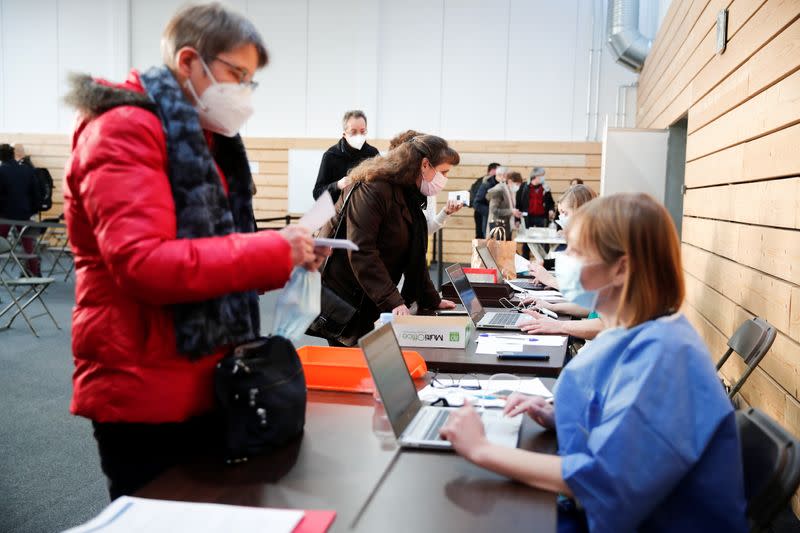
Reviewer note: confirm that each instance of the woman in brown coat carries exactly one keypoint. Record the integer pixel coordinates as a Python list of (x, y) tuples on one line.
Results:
[(384, 217)]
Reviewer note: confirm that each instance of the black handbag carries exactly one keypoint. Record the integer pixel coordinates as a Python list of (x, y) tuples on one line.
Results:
[(260, 389), (336, 313)]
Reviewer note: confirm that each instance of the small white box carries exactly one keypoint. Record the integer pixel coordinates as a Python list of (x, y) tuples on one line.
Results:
[(432, 331), (459, 196)]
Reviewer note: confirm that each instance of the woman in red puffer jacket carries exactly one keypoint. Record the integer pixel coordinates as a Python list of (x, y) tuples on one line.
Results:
[(160, 220)]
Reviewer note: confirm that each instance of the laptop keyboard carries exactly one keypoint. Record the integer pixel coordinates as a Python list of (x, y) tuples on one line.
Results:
[(502, 319), (438, 422)]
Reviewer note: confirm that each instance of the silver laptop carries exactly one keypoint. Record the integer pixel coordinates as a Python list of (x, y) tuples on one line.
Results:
[(482, 318), (489, 262), (416, 425)]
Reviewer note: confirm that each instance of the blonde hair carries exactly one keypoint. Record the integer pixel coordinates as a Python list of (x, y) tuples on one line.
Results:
[(402, 164), (638, 227), (576, 196)]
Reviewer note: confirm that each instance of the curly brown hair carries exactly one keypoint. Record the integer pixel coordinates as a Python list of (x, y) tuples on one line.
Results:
[(405, 136), (402, 164)]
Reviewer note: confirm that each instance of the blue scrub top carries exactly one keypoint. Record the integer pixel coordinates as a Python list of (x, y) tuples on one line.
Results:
[(647, 435)]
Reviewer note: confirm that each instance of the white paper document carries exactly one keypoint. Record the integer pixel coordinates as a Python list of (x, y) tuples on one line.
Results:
[(521, 264), (321, 212), (485, 395), (492, 344), (129, 514), (346, 244)]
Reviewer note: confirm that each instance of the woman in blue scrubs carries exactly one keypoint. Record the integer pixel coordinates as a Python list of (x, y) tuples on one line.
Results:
[(646, 435)]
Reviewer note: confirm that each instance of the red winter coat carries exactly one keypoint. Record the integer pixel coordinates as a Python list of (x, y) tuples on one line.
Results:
[(129, 267)]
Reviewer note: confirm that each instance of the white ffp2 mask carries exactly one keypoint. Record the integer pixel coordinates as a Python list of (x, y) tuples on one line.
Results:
[(356, 141), (223, 107)]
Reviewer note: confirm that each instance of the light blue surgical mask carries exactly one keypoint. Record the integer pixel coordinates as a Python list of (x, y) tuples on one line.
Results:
[(562, 221), (568, 272)]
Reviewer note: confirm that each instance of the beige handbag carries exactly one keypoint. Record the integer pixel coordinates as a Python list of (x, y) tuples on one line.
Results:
[(503, 252)]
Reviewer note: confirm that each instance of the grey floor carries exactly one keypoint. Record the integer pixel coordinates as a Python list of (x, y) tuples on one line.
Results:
[(50, 476)]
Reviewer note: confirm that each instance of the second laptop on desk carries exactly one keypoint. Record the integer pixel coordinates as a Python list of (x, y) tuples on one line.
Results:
[(480, 317)]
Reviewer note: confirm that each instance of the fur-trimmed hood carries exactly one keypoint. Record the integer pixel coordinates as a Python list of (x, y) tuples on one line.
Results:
[(92, 97)]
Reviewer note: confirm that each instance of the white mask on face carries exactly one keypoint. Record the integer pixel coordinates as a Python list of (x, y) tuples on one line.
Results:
[(223, 107), (356, 141), (433, 187), (514, 188)]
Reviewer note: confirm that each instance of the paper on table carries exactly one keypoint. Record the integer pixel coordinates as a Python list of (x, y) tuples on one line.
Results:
[(455, 396), (127, 514), (347, 244), (521, 264), (321, 212), (520, 338)]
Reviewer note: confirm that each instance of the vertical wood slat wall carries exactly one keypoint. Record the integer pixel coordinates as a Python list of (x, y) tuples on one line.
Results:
[(563, 161), (741, 244)]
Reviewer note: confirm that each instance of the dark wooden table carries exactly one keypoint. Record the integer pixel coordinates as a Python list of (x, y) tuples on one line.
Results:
[(467, 361), (348, 461)]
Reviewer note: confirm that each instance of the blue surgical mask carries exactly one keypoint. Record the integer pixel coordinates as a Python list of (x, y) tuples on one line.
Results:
[(568, 272), (562, 221)]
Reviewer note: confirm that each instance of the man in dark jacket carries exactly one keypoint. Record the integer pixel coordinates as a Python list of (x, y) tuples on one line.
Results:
[(480, 202), (20, 198), (351, 150), (43, 177), (479, 212)]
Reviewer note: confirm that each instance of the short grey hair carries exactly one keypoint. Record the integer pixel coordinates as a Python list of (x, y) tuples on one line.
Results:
[(355, 113), (502, 170), (537, 171), (210, 29)]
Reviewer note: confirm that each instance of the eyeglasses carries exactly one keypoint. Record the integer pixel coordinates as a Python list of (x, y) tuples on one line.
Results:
[(446, 381), (240, 73)]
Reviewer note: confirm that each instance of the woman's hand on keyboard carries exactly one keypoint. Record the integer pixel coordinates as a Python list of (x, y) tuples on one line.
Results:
[(541, 325), (464, 430), (538, 408)]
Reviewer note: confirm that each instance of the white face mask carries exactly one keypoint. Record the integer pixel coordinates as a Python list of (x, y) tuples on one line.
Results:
[(562, 221), (356, 141), (433, 187), (223, 107), (514, 188)]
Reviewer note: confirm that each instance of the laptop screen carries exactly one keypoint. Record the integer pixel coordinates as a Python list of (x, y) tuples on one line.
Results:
[(488, 260), (465, 292), (391, 377)]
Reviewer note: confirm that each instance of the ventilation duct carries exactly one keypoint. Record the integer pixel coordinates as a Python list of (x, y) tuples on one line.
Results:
[(629, 46)]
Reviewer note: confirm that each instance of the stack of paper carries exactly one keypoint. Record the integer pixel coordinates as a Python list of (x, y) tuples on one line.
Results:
[(493, 343), (127, 514), (487, 395)]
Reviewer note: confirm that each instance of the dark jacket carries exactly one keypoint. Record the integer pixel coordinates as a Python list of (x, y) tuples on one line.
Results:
[(378, 220), (336, 163), (523, 199), (481, 203), (20, 195)]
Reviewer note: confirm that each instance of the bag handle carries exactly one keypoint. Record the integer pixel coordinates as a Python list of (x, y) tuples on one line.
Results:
[(342, 214), (495, 230)]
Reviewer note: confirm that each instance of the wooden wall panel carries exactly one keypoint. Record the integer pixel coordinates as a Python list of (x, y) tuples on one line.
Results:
[(741, 225), (563, 161)]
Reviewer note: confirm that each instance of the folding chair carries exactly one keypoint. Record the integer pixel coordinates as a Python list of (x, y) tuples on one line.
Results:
[(60, 251), (751, 342), (33, 287), (771, 461)]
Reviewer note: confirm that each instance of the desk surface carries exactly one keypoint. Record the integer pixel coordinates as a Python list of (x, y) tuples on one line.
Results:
[(467, 361), (540, 240), (31, 223), (340, 462)]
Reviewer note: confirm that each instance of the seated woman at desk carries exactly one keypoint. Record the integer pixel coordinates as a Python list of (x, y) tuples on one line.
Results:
[(575, 197), (384, 217), (643, 424)]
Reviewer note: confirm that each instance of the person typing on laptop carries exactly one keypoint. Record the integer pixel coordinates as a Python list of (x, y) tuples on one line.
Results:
[(643, 425)]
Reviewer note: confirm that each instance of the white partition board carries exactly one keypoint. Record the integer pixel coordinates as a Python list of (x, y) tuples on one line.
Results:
[(634, 160), (303, 170)]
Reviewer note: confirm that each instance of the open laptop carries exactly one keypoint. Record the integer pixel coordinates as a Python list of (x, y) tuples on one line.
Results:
[(489, 262), (416, 425), (482, 318)]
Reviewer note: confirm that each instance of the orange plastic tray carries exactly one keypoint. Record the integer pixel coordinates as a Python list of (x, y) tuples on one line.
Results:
[(345, 369)]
